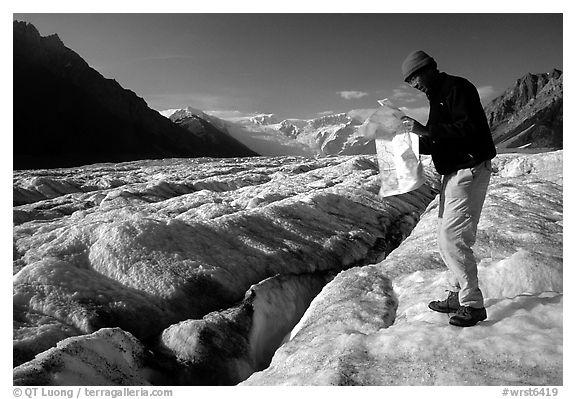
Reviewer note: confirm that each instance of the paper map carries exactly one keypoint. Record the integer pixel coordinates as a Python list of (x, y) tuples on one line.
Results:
[(397, 150)]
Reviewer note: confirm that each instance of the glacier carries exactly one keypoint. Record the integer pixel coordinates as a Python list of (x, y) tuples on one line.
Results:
[(277, 271)]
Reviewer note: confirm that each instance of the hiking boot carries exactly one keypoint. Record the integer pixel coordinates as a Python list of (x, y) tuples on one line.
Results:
[(468, 316), (448, 305)]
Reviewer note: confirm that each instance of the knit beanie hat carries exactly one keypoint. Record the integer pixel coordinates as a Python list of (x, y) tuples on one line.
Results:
[(416, 60)]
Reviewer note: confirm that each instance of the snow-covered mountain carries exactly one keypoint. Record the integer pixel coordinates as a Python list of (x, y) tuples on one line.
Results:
[(252, 131), (333, 134)]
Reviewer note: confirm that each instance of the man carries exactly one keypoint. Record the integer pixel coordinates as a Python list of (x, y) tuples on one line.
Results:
[(459, 139)]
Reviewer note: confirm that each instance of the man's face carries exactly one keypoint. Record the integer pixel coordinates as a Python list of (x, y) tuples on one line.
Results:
[(421, 80)]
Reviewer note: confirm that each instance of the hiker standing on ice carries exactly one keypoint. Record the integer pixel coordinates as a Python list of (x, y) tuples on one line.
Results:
[(459, 139)]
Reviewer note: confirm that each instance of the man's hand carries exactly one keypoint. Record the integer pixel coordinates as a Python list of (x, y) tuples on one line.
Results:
[(412, 125)]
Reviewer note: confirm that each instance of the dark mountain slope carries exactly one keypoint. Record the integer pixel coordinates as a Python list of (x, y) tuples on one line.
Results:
[(68, 114)]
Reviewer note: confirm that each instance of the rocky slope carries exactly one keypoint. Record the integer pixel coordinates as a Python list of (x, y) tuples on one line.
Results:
[(66, 113), (529, 113), (229, 258)]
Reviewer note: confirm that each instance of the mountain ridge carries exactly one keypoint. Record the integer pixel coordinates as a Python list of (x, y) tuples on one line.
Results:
[(81, 117), (529, 112), (333, 134)]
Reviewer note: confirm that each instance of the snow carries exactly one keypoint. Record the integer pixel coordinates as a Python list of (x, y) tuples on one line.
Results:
[(181, 238), (520, 270), (222, 258), (231, 344), (110, 356), (167, 113), (544, 164)]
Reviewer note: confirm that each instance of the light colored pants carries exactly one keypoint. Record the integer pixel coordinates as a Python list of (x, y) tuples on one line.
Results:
[(461, 200)]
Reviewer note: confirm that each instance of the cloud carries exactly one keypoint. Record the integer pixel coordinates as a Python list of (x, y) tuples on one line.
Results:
[(324, 113), (486, 93), (230, 114), (404, 95), (352, 95)]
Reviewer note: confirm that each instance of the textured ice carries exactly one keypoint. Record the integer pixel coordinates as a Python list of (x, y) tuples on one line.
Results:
[(175, 240), (519, 249), (229, 345), (110, 356), (197, 269)]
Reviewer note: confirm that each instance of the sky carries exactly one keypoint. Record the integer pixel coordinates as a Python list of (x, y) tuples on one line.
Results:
[(302, 65)]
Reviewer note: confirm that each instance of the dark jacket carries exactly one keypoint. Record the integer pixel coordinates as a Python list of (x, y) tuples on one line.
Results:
[(459, 133)]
